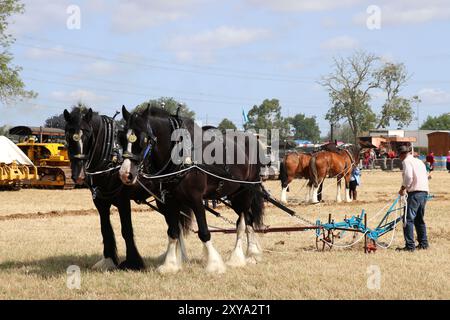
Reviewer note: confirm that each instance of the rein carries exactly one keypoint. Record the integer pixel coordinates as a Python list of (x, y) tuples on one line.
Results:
[(108, 144), (175, 124), (107, 157)]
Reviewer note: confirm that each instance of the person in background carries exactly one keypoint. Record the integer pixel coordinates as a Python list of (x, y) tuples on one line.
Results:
[(355, 181), (366, 160), (372, 158), (430, 159), (415, 184), (384, 156), (448, 161), (428, 167)]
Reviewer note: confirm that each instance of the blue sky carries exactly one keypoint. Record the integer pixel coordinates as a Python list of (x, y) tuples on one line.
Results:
[(220, 56)]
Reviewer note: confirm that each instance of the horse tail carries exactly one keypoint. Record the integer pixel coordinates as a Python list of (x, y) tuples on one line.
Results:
[(283, 174), (313, 175), (257, 207), (185, 219)]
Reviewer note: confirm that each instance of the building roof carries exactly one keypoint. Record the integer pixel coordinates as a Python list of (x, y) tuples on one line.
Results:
[(28, 131)]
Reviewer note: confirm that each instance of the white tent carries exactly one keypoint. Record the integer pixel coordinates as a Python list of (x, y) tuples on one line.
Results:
[(9, 152)]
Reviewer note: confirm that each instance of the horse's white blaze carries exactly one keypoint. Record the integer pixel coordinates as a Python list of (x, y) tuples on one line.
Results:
[(80, 142), (347, 195), (171, 262), (237, 258), (105, 265), (338, 192), (125, 170), (254, 251), (214, 260), (284, 195)]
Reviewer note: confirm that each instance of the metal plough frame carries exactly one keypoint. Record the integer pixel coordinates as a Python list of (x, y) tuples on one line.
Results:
[(325, 232)]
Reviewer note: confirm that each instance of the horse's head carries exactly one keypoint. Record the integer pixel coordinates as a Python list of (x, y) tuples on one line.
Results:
[(79, 134), (139, 145)]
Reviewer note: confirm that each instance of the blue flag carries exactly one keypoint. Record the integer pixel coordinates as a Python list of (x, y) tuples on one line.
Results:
[(244, 116)]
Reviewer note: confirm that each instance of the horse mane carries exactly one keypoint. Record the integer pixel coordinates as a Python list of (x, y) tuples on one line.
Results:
[(158, 112)]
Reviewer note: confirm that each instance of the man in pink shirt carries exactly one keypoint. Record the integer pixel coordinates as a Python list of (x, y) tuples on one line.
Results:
[(415, 184)]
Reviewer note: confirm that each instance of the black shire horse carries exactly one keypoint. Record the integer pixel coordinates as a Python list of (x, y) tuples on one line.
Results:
[(148, 155), (95, 157)]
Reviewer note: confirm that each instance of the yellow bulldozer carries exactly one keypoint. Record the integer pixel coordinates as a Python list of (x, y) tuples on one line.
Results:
[(15, 167), (46, 149)]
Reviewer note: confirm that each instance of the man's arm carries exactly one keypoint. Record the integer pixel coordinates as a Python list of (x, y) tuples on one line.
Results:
[(407, 175)]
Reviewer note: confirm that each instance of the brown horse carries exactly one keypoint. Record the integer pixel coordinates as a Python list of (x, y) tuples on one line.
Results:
[(334, 164), (294, 165)]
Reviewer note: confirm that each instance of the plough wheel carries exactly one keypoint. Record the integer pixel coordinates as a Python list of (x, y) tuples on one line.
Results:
[(325, 242)]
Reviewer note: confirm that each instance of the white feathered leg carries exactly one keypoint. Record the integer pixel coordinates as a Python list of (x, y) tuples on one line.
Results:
[(284, 195), (237, 258), (308, 193), (338, 192), (171, 263), (254, 251), (214, 260), (181, 247), (314, 196)]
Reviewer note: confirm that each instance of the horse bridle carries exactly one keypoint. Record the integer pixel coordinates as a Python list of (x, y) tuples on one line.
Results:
[(109, 137), (150, 141)]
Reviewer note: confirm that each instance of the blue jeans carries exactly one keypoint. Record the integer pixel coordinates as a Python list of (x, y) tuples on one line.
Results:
[(414, 218)]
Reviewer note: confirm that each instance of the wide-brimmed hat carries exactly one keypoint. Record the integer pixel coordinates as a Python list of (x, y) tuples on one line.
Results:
[(404, 149)]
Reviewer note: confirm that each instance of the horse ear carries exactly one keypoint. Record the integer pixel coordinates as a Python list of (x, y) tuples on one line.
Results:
[(125, 113), (88, 115), (146, 111), (67, 116)]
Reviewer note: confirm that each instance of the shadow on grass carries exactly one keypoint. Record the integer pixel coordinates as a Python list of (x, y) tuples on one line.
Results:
[(57, 266)]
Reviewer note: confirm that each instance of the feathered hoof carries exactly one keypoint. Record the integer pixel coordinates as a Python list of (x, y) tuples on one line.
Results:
[(216, 267), (236, 261), (105, 265), (168, 268)]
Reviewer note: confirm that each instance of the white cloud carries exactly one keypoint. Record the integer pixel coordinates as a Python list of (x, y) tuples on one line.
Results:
[(303, 5), (402, 12), (137, 15), (54, 52), (340, 43), (204, 44), (86, 96), (294, 65), (40, 14), (434, 96), (101, 68)]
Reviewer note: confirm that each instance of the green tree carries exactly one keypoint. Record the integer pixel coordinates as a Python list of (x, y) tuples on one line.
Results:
[(169, 104), (391, 78), (226, 124), (267, 116), (348, 87), (4, 130), (342, 132), (441, 122), (11, 85), (305, 127)]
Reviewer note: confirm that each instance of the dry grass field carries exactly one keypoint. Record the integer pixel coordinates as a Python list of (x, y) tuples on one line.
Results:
[(42, 232)]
